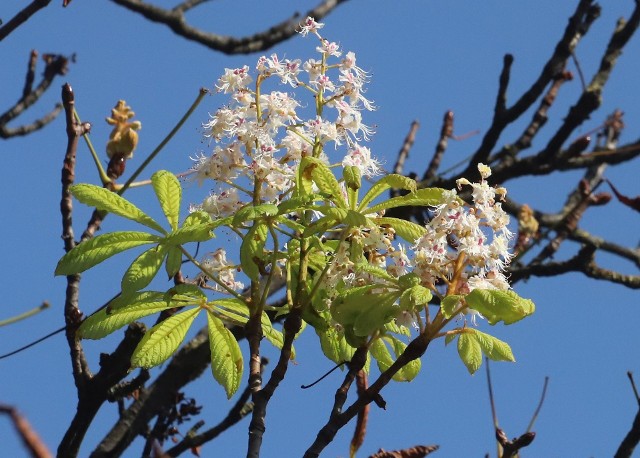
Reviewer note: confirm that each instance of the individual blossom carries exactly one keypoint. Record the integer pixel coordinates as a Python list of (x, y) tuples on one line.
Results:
[(216, 266), (225, 203), (280, 109), (234, 79), (360, 157), (310, 26), (329, 48), (399, 262), (224, 164)]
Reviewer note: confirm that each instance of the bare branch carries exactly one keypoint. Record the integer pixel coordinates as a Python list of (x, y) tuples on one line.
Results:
[(632, 438), (591, 98), (175, 20), (22, 17), (31, 440), (403, 154), (445, 133), (586, 12), (55, 65)]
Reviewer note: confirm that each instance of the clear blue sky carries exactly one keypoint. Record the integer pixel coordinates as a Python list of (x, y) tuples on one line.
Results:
[(425, 58)]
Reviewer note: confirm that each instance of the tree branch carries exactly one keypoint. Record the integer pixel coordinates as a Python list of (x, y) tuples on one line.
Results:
[(22, 17), (586, 12), (55, 65), (175, 20)]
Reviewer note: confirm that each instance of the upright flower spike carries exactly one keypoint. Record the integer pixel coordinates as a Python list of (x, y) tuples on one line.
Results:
[(123, 138)]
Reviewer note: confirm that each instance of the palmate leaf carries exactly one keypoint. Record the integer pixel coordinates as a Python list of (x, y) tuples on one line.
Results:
[(231, 310), (226, 357), (334, 345), (162, 340), (384, 359), (496, 305), (169, 193), (105, 321), (470, 351), (426, 197), (187, 234), (139, 297), (142, 270), (105, 200), (494, 348), (92, 252), (387, 182)]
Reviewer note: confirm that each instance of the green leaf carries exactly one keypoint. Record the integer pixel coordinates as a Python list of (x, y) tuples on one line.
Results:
[(334, 345), (387, 182), (450, 304), (350, 303), (380, 352), (232, 310), (271, 334), (376, 272), (104, 322), (169, 192), (251, 212), (320, 226), (415, 297), (105, 200), (378, 313), (142, 270), (426, 197), (185, 294), (198, 218), (140, 297), (252, 249), (356, 219), (187, 234), (405, 229), (162, 340), (92, 252), (324, 179), (449, 337), (470, 351), (295, 203), (174, 261), (352, 177), (494, 348), (226, 357), (497, 305)]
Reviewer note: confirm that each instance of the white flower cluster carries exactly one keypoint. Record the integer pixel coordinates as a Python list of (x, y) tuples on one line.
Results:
[(470, 245), (464, 248), (260, 137)]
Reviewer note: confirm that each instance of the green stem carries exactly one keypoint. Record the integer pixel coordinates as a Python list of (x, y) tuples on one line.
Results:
[(27, 314), (103, 175), (166, 140)]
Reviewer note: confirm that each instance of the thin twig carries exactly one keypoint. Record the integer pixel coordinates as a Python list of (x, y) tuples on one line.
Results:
[(537, 411)]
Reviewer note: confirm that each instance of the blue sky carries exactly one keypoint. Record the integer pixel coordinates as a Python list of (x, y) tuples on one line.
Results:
[(425, 58)]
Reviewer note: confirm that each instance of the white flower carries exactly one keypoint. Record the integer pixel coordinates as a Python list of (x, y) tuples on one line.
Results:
[(226, 203), (360, 157), (216, 264), (234, 79), (310, 26)]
